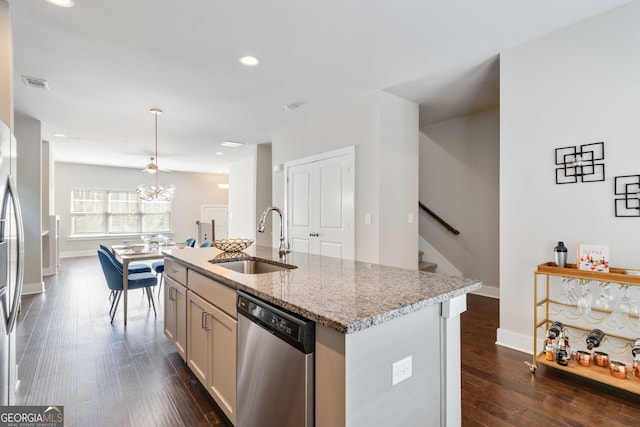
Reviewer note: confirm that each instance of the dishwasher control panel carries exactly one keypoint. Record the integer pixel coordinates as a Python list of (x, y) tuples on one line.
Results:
[(297, 331)]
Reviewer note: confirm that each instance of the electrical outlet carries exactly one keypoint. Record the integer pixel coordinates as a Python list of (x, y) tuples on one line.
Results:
[(401, 370)]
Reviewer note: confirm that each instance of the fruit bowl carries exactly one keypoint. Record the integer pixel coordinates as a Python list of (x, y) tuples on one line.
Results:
[(232, 245)]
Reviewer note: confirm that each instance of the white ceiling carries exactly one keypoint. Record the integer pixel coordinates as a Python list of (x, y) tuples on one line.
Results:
[(107, 62)]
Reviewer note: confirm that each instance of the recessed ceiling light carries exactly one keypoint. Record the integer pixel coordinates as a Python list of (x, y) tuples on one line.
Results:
[(232, 144), (291, 107), (223, 186), (62, 3), (249, 61), (220, 153), (59, 135)]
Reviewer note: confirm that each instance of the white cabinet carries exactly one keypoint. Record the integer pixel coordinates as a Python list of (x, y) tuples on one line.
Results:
[(175, 315), (211, 340)]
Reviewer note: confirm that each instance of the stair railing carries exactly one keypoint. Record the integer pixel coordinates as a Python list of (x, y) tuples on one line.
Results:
[(438, 218)]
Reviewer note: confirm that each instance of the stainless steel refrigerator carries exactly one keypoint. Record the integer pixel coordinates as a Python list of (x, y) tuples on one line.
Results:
[(11, 264)]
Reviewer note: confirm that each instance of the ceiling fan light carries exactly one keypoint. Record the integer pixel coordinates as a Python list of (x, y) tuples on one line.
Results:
[(155, 191)]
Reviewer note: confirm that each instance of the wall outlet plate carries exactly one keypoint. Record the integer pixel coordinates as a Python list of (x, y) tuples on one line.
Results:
[(401, 370)]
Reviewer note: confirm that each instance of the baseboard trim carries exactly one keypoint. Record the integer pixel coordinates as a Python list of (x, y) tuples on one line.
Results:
[(74, 254), (514, 341), (32, 288), (488, 291)]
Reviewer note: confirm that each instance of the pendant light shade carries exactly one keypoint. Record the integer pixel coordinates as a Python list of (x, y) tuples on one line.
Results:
[(155, 191)]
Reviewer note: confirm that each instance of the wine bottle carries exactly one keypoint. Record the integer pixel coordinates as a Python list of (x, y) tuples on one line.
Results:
[(562, 355), (594, 338), (555, 329), (549, 350), (635, 350)]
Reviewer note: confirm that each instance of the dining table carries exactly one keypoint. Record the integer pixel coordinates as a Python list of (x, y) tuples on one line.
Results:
[(127, 256)]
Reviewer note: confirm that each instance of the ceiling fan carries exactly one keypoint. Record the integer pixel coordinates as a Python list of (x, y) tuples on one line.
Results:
[(151, 167)]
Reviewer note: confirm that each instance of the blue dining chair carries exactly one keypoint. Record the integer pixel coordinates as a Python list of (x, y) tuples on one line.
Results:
[(158, 266), (206, 244), (133, 268), (113, 276)]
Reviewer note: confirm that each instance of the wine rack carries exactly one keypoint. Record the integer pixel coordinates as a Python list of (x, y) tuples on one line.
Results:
[(550, 305)]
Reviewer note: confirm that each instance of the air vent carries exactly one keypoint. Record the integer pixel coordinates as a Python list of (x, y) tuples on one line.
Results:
[(35, 82)]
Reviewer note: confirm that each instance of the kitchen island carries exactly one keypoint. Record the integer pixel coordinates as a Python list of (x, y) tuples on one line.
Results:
[(367, 317)]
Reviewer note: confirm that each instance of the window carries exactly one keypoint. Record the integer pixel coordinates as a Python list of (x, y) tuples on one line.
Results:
[(117, 212)]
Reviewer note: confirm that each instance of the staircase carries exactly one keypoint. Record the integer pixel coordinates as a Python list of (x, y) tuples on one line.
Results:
[(425, 266)]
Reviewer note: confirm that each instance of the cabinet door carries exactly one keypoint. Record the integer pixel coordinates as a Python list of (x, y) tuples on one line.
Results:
[(180, 310), (169, 310), (222, 385), (198, 336)]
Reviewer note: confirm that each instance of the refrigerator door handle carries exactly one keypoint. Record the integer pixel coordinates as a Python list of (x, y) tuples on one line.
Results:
[(11, 196)]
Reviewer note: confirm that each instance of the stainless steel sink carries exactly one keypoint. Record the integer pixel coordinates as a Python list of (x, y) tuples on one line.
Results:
[(252, 266)]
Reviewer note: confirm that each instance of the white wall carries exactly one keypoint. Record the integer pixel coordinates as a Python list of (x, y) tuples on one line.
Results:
[(29, 181), (576, 86), (384, 129), (242, 195), (192, 191), (263, 192), (459, 180)]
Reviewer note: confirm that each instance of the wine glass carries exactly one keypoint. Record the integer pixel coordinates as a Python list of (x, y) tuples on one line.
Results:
[(584, 301), (604, 299), (569, 296), (625, 306)]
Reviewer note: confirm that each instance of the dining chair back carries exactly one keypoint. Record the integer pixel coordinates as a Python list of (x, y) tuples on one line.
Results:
[(191, 242), (113, 276), (206, 244), (133, 268)]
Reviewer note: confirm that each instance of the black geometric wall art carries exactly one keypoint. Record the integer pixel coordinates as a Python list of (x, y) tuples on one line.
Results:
[(628, 187), (580, 164)]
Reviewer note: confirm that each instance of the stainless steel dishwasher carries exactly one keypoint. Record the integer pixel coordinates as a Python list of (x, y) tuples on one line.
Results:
[(275, 366)]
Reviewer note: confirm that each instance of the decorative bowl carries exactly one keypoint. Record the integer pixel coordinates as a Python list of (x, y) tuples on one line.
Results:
[(137, 248), (181, 245), (232, 245)]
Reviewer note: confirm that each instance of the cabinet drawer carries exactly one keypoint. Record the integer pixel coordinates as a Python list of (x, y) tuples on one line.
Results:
[(175, 271), (214, 292)]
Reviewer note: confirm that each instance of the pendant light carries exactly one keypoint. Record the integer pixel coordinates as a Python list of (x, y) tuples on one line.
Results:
[(155, 191)]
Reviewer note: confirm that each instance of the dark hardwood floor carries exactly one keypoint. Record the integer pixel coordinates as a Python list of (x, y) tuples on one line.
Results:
[(108, 375), (499, 390), (104, 375)]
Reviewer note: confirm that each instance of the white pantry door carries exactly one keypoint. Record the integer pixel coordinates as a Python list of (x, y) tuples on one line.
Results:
[(320, 205)]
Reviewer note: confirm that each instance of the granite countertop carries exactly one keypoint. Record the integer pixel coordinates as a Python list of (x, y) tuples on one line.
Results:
[(345, 295)]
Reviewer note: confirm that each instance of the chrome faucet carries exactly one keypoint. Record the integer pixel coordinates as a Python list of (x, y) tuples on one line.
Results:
[(283, 249)]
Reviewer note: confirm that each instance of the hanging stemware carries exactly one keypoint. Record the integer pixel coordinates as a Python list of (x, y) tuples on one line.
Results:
[(584, 301), (569, 296)]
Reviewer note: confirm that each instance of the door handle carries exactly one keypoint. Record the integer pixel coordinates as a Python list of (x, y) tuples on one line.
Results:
[(205, 324)]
